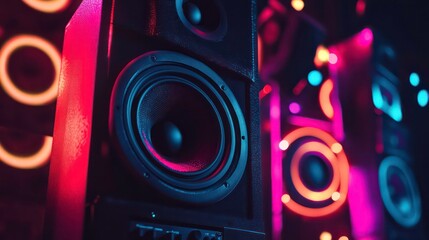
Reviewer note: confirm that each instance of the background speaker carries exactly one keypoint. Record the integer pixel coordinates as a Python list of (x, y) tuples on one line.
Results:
[(31, 34), (380, 151), (157, 127), (306, 168)]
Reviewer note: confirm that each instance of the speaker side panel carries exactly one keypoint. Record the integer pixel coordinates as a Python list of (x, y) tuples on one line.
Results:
[(73, 126)]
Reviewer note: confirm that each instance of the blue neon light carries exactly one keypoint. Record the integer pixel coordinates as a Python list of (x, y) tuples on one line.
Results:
[(414, 79), (386, 97), (315, 78), (423, 98)]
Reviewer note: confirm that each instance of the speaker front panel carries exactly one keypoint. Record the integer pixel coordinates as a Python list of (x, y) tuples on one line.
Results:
[(169, 135)]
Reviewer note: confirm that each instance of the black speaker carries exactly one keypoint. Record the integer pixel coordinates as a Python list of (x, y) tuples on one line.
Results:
[(157, 124), (379, 140), (305, 166)]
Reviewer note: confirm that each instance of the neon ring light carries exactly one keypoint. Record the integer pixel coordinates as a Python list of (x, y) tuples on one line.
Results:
[(35, 160), (405, 211), (336, 192), (51, 6), (33, 99)]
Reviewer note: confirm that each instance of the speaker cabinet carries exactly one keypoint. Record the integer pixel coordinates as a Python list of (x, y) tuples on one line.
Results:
[(305, 165), (157, 124), (384, 196)]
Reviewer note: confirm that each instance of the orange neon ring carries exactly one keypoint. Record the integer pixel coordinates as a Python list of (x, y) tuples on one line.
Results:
[(343, 167), (33, 99), (35, 160), (324, 98), (297, 181), (51, 6)]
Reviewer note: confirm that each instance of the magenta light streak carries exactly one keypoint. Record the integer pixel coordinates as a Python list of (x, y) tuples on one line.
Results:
[(294, 108), (310, 122), (276, 165), (337, 121), (366, 209)]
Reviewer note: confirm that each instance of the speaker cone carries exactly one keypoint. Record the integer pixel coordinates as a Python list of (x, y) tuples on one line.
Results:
[(399, 191), (178, 127)]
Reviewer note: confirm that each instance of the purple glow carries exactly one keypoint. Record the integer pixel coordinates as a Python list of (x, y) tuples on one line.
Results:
[(276, 165), (337, 121), (366, 209), (275, 111), (294, 108)]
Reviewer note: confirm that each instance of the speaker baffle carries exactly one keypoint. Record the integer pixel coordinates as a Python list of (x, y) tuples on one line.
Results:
[(399, 191), (205, 18), (179, 127)]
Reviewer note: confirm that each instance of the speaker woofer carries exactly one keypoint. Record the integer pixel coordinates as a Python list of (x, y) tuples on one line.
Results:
[(399, 191), (178, 127)]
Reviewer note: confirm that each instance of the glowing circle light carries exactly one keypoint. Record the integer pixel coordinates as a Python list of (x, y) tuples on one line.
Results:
[(35, 160), (333, 58), (298, 5), (283, 145), (423, 98), (315, 78), (315, 142), (322, 56), (51, 6), (414, 79), (325, 236), (32, 99)]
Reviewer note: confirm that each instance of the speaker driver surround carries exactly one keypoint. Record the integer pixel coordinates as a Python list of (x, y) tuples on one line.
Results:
[(179, 127), (399, 191)]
